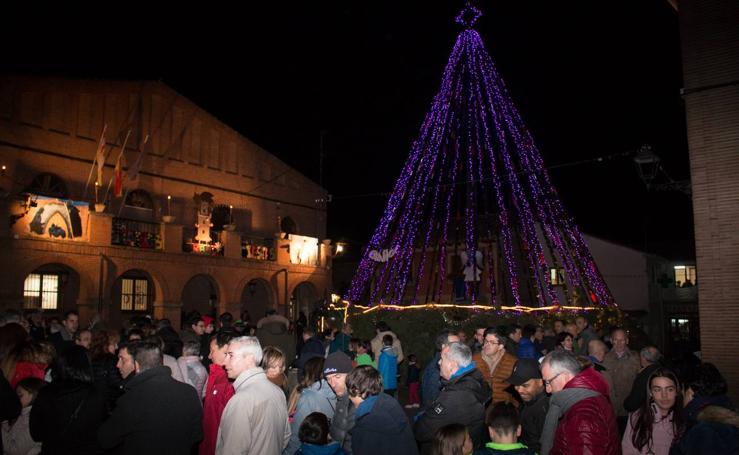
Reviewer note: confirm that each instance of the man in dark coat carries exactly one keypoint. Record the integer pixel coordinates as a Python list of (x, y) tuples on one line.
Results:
[(64, 338), (157, 414), (526, 379), (337, 366), (431, 378), (649, 357), (462, 399)]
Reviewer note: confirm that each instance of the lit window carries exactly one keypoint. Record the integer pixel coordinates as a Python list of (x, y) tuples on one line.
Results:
[(134, 294), (557, 276), (41, 291), (685, 276)]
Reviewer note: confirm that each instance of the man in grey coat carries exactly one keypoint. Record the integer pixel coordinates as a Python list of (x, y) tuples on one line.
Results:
[(255, 418), (335, 369)]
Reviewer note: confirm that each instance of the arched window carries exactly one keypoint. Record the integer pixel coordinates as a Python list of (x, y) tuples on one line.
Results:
[(47, 184), (139, 199)]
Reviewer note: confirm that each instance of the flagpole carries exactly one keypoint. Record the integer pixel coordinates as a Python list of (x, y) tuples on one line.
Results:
[(136, 163), (110, 182), (94, 160)]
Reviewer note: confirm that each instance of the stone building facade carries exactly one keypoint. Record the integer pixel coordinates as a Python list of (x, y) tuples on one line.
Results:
[(139, 254)]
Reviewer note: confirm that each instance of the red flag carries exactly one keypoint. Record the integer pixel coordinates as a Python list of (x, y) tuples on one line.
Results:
[(118, 189)]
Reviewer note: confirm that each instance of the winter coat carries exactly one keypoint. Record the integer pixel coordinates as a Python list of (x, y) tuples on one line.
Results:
[(65, 418), (17, 437), (218, 391), (431, 381), (343, 423), (172, 342), (174, 369), (155, 415), (533, 414), (10, 405), (332, 448), (381, 427), (387, 365), (716, 431), (462, 400), (275, 333), (700, 402), (623, 372), (589, 426), (319, 397), (193, 373), (25, 370), (526, 349), (662, 435), (365, 359), (414, 374), (516, 448), (638, 394), (255, 418), (583, 339), (108, 379), (312, 348), (497, 379), (377, 345), (340, 343)]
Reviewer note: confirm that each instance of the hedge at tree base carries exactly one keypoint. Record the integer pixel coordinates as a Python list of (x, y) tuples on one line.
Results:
[(417, 328)]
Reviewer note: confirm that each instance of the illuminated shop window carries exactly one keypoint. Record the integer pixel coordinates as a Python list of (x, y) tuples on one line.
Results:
[(684, 276)]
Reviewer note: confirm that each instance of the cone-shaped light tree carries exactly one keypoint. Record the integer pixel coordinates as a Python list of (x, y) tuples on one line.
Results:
[(475, 187)]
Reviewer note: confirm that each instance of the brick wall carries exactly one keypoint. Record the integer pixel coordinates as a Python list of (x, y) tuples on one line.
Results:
[(710, 39)]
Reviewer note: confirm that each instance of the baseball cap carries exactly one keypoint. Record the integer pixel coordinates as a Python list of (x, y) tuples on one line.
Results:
[(337, 362), (524, 370)]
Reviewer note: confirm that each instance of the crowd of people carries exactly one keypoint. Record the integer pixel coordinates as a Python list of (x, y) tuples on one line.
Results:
[(218, 386)]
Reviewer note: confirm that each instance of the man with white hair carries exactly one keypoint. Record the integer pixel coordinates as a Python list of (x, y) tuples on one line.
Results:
[(580, 417), (462, 398), (255, 418)]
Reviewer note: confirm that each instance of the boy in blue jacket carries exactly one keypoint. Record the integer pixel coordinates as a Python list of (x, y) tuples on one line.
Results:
[(388, 366)]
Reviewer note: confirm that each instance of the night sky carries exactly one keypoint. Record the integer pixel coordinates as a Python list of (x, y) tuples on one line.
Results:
[(591, 79)]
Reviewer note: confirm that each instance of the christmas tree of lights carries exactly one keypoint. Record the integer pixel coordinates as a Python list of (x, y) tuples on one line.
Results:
[(475, 187)]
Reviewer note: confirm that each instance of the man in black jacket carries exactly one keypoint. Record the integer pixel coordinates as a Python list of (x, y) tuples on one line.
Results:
[(649, 357), (157, 414), (526, 379), (462, 399)]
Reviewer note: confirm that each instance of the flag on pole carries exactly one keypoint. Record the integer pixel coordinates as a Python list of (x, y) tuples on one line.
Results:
[(100, 158), (135, 168), (118, 188)]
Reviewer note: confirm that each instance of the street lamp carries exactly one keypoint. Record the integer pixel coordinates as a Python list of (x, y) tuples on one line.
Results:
[(647, 164)]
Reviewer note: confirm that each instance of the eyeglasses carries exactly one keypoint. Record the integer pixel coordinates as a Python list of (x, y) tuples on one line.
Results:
[(490, 342), (548, 382)]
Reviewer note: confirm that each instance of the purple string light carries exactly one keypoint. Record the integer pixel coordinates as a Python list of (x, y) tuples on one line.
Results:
[(474, 157)]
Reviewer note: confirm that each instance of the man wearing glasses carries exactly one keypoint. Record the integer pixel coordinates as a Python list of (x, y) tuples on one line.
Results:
[(580, 417), (496, 365)]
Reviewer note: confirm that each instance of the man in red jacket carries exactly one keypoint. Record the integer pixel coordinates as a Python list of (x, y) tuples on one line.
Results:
[(217, 393), (580, 419)]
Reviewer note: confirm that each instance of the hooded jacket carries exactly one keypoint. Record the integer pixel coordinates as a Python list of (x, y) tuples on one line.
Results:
[(319, 397), (218, 390), (717, 431), (588, 426), (462, 400), (382, 427), (329, 449), (377, 345)]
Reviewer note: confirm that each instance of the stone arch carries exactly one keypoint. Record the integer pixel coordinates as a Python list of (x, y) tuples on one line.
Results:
[(257, 296), (304, 297), (53, 286), (203, 293), (87, 283), (130, 298)]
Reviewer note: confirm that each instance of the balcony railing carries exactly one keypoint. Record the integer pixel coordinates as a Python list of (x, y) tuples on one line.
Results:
[(259, 249), (190, 245), (137, 234)]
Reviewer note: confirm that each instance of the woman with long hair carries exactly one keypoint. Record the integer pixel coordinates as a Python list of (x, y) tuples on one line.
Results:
[(104, 359), (313, 373), (658, 423)]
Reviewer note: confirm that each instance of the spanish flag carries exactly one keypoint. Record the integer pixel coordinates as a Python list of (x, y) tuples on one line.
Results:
[(118, 189)]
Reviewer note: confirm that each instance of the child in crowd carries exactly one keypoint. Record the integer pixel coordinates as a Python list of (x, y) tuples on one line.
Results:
[(353, 344), (313, 436), (452, 439), (413, 381), (364, 354), (504, 427), (387, 365), (16, 434)]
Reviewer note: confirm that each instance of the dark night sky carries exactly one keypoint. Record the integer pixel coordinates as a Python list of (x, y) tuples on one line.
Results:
[(590, 78)]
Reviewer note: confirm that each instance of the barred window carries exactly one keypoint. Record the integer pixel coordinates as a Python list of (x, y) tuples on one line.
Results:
[(41, 290), (134, 294)]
